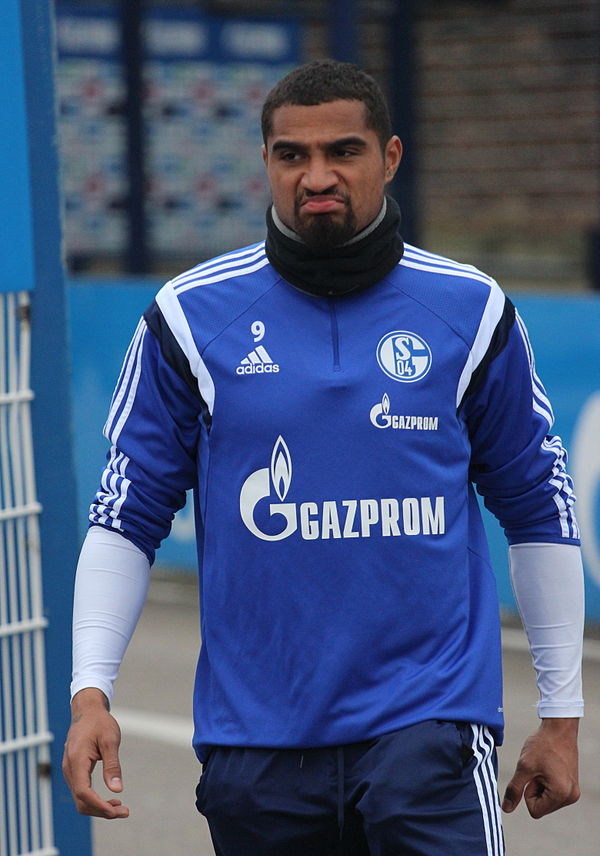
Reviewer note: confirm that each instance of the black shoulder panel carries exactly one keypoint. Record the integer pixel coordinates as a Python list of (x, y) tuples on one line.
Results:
[(173, 353), (497, 344)]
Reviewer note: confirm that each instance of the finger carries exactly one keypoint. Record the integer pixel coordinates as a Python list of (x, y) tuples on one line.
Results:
[(87, 801), (111, 767), (513, 793), (111, 773), (90, 803), (78, 774), (542, 799), (536, 796), (79, 778)]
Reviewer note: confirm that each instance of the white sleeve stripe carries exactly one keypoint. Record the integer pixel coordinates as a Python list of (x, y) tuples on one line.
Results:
[(540, 393), (128, 353), (448, 271), (525, 336), (108, 502), (125, 373), (170, 307), (544, 403), (542, 412), (129, 364), (489, 320), (225, 260), (199, 276), (122, 495), (562, 510), (445, 265), (228, 274), (538, 386), (540, 401), (564, 498), (113, 432)]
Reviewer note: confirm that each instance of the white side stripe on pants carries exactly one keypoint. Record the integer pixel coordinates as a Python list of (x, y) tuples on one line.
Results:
[(487, 789)]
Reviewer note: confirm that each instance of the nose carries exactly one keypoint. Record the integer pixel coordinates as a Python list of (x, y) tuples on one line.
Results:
[(318, 177)]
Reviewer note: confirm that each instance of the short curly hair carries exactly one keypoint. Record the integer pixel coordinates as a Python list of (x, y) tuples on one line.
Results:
[(326, 80)]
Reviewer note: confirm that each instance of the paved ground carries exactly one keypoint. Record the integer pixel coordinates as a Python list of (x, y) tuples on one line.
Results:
[(160, 771)]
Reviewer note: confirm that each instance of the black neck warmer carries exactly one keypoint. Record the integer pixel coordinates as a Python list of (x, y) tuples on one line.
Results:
[(351, 267)]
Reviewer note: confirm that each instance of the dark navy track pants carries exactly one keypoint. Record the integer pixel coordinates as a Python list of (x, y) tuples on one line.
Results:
[(426, 790)]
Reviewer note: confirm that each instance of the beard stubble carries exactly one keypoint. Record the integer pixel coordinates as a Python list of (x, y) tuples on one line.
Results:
[(323, 232)]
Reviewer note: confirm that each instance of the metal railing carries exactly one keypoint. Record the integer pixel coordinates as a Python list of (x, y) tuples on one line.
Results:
[(25, 788)]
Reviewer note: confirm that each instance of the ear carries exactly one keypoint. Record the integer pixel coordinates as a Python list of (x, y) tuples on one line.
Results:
[(265, 156), (392, 157)]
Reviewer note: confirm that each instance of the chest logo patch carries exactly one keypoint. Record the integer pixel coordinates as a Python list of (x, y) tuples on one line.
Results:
[(381, 417), (404, 356), (268, 514), (258, 361)]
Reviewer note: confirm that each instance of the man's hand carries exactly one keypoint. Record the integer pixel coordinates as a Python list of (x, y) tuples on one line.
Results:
[(94, 736), (547, 771)]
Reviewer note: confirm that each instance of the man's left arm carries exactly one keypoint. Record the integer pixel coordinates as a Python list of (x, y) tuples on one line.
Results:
[(548, 583), (519, 468)]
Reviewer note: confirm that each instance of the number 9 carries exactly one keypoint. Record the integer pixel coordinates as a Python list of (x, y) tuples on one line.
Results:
[(258, 330)]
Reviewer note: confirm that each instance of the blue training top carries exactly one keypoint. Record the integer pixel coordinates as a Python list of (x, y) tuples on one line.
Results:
[(332, 443)]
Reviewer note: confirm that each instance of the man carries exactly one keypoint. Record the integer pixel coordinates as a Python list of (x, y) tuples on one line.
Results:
[(331, 395)]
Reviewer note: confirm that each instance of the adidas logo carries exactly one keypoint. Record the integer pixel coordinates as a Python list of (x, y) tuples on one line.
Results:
[(258, 361)]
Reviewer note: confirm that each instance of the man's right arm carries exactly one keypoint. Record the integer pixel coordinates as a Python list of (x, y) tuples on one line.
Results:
[(154, 427), (110, 591)]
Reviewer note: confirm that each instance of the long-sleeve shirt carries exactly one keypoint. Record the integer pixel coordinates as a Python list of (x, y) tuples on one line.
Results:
[(333, 445)]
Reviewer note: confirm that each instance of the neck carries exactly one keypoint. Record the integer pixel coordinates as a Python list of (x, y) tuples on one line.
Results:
[(358, 264)]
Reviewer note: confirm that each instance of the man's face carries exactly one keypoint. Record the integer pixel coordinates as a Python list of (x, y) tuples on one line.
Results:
[(327, 170)]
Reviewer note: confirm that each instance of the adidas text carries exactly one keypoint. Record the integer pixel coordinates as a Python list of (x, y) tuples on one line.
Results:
[(259, 368), (258, 361)]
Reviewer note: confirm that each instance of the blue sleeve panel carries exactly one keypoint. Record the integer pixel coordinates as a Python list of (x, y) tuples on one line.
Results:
[(154, 425), (518, 467)]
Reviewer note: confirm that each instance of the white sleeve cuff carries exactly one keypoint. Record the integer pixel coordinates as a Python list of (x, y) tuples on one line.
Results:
[(110, 591), (547, 580)]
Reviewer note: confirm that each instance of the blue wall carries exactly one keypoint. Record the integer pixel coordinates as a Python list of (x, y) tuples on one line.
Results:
[(565, 333), (16, 231)]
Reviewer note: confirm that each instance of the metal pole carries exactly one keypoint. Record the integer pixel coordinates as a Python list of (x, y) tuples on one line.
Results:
[(50, 409), (403, 98), (137, 258), (344, 19)]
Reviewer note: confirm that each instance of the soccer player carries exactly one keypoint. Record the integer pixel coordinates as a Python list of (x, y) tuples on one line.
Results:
[(332, 396)]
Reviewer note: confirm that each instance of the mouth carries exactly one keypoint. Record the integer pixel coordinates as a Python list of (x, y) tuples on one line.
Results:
[(321, 204)]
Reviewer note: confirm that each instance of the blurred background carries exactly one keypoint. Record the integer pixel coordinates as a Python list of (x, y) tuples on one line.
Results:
[(496, 103)]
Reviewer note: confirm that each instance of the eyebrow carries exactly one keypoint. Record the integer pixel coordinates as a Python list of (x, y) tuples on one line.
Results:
[(359, 142)]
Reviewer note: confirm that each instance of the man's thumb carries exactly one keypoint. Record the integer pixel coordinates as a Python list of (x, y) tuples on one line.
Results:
[(112, 774), (513, 793)]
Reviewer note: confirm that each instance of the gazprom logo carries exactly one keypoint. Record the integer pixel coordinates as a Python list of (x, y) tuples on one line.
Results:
[(381, 417), (348, 518), (261, 484), (404, 356)]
